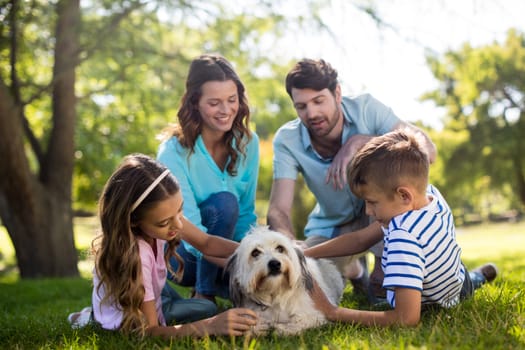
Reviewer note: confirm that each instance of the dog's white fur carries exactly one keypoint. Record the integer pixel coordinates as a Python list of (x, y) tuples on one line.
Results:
[(270, 275)]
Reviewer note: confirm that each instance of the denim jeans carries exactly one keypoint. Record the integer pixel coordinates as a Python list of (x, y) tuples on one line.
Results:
[(178, 310), (219, 214), (473, 280)]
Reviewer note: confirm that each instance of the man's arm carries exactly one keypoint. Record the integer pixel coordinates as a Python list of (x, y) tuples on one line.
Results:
[(280, 207), (347, 243), (336, 173)]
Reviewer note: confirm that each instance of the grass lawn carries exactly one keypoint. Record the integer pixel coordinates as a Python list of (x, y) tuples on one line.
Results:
[(33, 312)]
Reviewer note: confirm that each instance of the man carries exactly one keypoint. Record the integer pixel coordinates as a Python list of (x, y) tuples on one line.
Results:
[(319, 144)]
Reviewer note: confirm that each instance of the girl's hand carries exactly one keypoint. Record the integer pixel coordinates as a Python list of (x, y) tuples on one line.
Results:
[(233, 322)]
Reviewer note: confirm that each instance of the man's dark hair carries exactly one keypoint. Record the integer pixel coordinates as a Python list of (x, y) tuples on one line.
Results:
[(311, 74)]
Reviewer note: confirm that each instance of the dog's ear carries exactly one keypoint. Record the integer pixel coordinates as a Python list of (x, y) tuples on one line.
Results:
[(231, 264), (236, 295), (307, 276)]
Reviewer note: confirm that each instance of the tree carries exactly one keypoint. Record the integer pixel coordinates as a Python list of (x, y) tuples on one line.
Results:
[(35, 206), (483, 91), (40, 97), (117, 73)]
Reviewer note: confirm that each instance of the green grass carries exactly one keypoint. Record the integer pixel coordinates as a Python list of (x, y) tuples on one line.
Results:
[(33, 312)]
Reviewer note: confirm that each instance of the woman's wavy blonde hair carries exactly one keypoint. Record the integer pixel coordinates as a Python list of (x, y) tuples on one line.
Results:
[(116, 249), (205, 68)]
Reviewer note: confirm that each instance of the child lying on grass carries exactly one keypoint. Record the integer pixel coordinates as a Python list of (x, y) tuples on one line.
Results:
[(421, 258), (142, 223)]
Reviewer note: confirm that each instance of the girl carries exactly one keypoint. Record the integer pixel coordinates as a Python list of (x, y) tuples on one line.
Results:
[(215, 157), (142, 223)]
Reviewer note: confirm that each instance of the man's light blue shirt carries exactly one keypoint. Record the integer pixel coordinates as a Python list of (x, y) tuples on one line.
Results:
[(294, 154), (199, 177)]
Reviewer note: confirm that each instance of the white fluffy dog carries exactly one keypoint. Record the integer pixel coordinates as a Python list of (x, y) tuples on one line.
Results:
[(270, 275)]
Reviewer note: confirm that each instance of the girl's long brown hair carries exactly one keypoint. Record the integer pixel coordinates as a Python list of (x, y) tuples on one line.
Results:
[(205, 68), (117, 259)]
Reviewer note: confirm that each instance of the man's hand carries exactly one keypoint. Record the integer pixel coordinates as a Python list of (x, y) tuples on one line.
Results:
[(337, 171), (301, 244)]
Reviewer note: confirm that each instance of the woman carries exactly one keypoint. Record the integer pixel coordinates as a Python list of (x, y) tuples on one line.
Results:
[(215, 157)]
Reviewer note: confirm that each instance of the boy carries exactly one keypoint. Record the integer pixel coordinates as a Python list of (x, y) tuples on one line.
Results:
[(421, 258)]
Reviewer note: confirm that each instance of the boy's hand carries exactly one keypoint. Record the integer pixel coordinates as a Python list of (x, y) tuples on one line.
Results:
[(321, 302)]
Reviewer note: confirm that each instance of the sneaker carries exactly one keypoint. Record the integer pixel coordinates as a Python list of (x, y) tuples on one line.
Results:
[(360, 284), (376, 292), (489, 271), (375, 288), (80, 319)]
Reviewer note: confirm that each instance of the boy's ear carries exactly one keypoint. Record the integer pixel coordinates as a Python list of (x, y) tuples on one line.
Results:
[(405, 194)]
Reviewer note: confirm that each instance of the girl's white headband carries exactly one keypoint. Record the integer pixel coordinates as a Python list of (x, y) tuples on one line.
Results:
[(149, 189)]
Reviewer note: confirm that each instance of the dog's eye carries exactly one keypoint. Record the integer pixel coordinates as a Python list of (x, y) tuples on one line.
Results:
[(280, 249), (255, 253)]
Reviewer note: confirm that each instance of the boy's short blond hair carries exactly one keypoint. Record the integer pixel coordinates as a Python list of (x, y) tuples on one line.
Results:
[(389, 161)]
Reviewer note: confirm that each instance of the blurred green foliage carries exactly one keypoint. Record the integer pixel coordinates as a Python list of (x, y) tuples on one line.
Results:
[(133, 66), (482, 89)]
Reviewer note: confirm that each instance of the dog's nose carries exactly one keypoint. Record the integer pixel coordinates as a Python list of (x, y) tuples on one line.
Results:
[(274, 266)]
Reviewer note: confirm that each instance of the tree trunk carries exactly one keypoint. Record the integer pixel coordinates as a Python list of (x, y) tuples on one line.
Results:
[(518, 167), (36, 210), (40, 226)]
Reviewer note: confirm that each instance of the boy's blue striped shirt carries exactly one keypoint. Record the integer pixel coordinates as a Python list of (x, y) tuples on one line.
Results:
[(421, 253)]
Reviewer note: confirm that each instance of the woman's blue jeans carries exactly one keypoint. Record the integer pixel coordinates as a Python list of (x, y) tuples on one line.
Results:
[(219, 214)]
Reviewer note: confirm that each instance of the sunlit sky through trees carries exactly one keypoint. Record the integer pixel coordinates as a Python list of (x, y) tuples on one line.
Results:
[(390, 62), (387, 59)]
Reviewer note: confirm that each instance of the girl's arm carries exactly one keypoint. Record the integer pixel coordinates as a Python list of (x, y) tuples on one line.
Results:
[(221, 262), (406, 313), (208, 244), (347, 243), (231, 322)]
